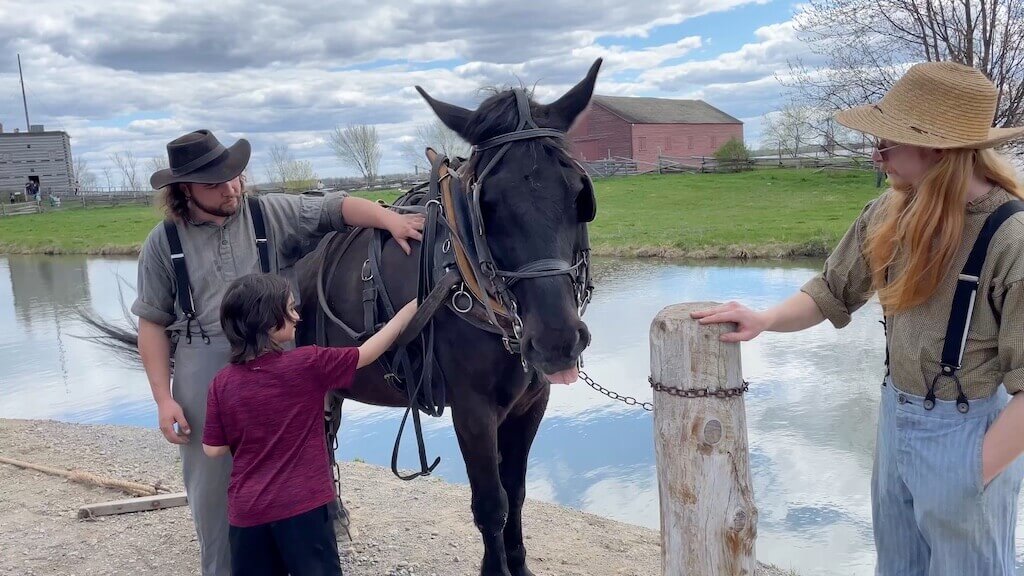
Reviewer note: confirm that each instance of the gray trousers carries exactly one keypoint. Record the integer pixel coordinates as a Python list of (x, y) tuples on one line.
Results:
[(206, 479)]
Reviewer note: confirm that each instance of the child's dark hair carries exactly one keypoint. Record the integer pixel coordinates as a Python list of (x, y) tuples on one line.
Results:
[(254, 306)]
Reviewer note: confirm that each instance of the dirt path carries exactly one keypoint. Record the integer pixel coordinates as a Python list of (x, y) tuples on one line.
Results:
[(421, 528)]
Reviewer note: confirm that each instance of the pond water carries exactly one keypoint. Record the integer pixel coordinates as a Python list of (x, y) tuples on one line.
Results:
[(811, 408)]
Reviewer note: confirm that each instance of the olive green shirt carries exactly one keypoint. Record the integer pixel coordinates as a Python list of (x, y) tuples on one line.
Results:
[(995, 340)]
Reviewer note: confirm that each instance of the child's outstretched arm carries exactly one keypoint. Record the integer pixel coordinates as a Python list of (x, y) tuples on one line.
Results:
[(371, 350)]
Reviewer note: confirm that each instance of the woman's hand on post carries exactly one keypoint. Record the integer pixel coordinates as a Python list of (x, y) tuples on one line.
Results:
[(749, 322)]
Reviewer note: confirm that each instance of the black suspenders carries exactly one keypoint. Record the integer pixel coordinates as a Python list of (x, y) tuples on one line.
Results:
[(962, 309), (260, 229), (963, 305), (183, 287)]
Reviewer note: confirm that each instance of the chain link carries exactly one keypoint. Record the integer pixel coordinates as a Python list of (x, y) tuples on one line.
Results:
[(627, 400), (670, 390), (699, 392)]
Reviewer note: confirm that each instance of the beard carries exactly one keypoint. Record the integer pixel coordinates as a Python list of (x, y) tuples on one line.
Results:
[(214, 210)]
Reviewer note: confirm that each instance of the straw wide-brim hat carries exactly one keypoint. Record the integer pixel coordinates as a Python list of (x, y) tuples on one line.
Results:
[(935, 105)]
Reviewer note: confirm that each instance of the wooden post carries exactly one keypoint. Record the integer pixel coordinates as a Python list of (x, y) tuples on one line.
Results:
[(708, 516)]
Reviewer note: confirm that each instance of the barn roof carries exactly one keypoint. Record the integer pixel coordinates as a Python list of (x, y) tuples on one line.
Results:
[(664, 110)]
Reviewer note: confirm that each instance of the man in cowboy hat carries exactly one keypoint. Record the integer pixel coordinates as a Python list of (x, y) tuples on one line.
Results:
[(215, 235)]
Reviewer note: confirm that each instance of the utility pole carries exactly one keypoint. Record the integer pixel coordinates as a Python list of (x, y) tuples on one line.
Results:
[(24, 101)]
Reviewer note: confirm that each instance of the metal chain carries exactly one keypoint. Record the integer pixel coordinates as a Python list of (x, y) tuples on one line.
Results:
[(335, 469), (659, 387), (699, 392), (627, 400)]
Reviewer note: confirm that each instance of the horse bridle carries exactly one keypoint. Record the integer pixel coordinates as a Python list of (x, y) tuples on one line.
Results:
[(498, 282)]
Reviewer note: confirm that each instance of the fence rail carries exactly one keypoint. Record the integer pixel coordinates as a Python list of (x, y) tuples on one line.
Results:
[(620, 166), (18, 208)]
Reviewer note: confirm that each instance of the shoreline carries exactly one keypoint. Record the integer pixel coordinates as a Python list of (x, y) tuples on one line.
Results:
[(420, 528), (731, 252)]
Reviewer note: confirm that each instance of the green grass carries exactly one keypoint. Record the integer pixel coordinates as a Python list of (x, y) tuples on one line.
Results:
[(758, 213), (765, 213)]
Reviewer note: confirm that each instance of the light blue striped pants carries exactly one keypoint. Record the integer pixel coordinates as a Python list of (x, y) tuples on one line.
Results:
[(931, 514)]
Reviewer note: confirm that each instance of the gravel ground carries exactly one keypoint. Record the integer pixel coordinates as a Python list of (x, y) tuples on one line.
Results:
[(402, 529)]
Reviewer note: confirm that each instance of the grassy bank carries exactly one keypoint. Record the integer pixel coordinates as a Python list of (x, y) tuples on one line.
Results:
[(766, 213)]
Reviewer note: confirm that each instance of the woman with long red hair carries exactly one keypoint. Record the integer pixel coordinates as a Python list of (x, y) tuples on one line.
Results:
[(943, 249)]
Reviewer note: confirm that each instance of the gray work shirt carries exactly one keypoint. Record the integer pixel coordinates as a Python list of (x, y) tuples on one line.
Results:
[(218, 254)]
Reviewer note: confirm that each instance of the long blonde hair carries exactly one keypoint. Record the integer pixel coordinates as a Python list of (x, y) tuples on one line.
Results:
[(922, 227)]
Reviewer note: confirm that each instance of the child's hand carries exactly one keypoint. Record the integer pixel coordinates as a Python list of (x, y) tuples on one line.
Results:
[(381, 341)]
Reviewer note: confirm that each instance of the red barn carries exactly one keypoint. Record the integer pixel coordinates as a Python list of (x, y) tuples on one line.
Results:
[(643, 128)]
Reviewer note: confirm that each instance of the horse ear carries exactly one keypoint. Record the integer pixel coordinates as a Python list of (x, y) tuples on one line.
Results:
[(454, 117), (563, 112)]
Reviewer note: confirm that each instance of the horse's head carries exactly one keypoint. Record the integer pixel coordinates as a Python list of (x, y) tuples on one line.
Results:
[(535, 202)]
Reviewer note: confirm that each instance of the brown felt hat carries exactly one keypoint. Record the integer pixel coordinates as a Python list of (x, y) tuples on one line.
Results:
[(199, 157), (935, 105)]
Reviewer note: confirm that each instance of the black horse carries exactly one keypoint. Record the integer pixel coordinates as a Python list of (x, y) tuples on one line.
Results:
[(528, 203), (503, 278)]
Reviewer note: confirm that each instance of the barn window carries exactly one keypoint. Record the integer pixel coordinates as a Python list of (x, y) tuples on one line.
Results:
[(689, 142), (643, 143), (714, 142)]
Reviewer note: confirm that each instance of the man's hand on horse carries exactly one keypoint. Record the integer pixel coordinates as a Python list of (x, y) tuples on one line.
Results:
[(170, 413), (406, 227)]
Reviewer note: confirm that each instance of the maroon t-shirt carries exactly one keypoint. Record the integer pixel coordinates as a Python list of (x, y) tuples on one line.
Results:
[(270, 411)]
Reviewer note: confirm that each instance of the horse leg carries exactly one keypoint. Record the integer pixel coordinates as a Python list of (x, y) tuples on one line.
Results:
[(515, 436), (476, 430)]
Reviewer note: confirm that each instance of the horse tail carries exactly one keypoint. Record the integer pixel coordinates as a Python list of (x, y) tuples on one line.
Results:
[(123, 341)]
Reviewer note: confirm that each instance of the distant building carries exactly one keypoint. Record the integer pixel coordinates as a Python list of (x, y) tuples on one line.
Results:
[(641, 129), (39, 155)]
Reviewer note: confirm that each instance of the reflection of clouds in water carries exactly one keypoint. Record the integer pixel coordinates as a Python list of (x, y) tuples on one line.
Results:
[(48, 372), (626, 493)]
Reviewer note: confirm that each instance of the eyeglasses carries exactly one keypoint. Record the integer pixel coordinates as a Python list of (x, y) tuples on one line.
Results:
[(883, 152)]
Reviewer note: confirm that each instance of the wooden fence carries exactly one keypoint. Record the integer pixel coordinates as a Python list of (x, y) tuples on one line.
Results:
[(620, 166), (18, 208), (708, 514)]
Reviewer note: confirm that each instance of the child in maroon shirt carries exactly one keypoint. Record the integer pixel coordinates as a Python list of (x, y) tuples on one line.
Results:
[(266, 408)]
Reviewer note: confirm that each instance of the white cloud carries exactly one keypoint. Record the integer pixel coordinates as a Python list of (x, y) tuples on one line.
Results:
[(133, 75)]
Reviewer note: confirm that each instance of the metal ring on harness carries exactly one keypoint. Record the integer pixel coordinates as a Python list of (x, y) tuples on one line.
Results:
[(462, 294), (367, 274), (447, 246)]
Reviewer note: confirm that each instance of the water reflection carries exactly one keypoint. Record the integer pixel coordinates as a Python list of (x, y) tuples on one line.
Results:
[(811, 408)]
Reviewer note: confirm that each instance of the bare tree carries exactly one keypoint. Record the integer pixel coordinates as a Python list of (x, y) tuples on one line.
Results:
[(773, 133), (108, 176), (358, 146), (867, 44), (437, 136), (156, 163), (128, 165), (284, 171), (795, 122), (84, 177)]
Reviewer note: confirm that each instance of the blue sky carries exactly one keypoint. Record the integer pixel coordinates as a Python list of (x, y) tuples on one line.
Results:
[(126, 75)]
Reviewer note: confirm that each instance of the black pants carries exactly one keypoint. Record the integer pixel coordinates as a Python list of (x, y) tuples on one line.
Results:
[(302, 545)]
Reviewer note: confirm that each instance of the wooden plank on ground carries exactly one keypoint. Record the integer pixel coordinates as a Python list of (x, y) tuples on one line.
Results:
[(130, 505)]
